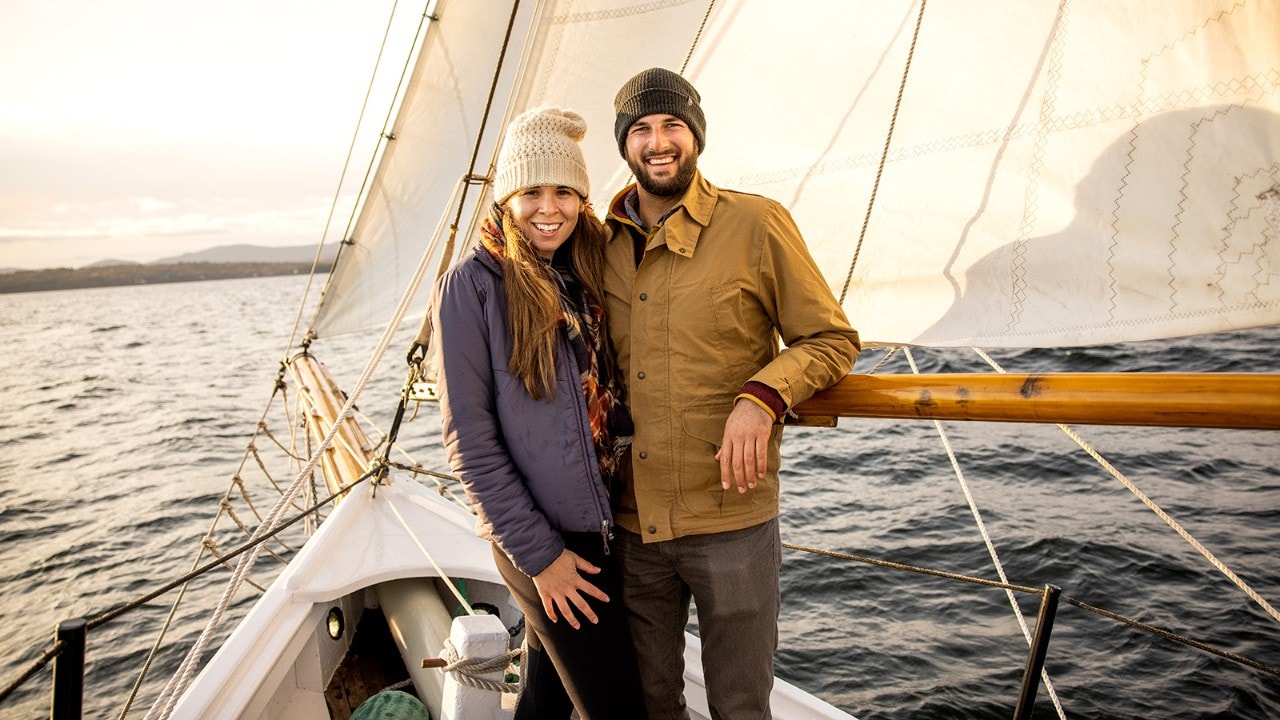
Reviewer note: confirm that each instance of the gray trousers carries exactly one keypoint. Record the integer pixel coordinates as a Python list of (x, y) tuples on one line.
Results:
[(732, 578)]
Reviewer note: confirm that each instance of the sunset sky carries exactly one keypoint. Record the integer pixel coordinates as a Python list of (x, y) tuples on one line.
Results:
[(142, 129)]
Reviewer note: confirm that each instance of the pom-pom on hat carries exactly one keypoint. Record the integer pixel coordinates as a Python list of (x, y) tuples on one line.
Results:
[(542, 148), (658, 90)]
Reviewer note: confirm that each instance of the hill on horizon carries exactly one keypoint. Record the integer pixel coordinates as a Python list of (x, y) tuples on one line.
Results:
[(225, 262), (250, 254)]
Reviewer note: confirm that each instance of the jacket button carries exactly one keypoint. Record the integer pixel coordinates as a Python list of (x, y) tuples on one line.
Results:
[(643, 455), (644, 296), (653, 530), (640, 374)]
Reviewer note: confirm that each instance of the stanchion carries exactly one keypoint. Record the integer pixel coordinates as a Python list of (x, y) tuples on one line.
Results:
[(68, 670), (1039, 648)]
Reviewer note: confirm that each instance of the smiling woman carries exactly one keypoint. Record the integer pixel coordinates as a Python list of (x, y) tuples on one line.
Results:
[(128, 136), (546, 215)]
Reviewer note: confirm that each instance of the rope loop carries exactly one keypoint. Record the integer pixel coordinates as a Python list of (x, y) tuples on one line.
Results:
[(467, 671)]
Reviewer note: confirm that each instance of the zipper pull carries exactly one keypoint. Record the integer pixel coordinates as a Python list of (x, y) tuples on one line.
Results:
[(605, 535)]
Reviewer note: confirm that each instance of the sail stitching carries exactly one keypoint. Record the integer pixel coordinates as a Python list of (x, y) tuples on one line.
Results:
[(596, 15), (1031, 190), (1259, 84), (1256, 254)]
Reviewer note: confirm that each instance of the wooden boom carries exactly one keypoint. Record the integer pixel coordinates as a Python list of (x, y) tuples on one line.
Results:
[(1207, 400)]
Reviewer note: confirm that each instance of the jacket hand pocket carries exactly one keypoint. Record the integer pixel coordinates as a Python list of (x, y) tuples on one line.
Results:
[(699, 482)]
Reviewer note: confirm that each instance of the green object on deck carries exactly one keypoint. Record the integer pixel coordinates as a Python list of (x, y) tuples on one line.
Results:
[(391, 705)]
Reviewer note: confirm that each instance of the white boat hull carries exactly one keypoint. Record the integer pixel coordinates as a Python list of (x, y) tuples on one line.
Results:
[(279, 660)]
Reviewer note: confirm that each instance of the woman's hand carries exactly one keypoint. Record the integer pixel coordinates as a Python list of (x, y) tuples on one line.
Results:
[(562, 586)]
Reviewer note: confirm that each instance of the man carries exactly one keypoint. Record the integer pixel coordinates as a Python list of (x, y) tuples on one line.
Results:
[(701, 285)]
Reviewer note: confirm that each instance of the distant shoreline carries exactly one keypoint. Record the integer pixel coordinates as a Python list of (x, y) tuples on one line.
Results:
[(114, 275)]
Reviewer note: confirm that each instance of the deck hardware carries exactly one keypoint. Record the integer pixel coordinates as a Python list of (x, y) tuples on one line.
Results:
[(336, 624), (1039, 648), (68, 670)]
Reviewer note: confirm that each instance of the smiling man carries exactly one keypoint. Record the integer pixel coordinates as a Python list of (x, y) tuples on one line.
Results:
[(702, 284)]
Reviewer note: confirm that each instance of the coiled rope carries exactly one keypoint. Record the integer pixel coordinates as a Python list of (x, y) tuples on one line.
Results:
[(468, 671)]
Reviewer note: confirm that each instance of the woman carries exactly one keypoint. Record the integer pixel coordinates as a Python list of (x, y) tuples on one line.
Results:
[(533, 418)]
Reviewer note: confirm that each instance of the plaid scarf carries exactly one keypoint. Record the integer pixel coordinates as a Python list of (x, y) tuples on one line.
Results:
[(583, 321)]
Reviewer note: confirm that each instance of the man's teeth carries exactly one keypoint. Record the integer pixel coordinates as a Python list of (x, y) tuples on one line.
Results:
[(661, 160)]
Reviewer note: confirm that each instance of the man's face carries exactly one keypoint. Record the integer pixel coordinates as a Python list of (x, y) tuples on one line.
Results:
[(662, 153)]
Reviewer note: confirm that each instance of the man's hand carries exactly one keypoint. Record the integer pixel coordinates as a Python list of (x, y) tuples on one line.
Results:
[(744, 454), (561, 586)]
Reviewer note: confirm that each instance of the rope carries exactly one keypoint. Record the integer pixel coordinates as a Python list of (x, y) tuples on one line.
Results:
[(698, 36), (278, 388), (1160, 513), (917, 569), (467, 671), (212, 547), (991, 548), (384, 136), (165, 702), (441, 488), (38, 664), (182, 582), (884, 154), (287, 451), (431, 559), (1272, 669), (1136, 624)]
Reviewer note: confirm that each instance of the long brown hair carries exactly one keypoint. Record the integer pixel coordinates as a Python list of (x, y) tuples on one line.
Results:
[(533, 297)]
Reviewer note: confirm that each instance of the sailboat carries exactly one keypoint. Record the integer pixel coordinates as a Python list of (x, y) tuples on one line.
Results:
[(1024, 174)]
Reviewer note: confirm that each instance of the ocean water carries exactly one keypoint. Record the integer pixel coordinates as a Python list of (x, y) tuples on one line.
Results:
[(126, 411)]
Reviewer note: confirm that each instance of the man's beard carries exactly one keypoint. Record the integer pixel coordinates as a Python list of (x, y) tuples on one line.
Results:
[(675, 185)]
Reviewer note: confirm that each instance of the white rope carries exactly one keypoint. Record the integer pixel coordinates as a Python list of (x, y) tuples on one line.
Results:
[(178, 683), (430, 558), (466, 671), (1160, 513), (986, 539)]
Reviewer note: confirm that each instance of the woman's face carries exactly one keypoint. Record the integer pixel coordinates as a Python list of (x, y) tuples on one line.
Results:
[(546, 214)]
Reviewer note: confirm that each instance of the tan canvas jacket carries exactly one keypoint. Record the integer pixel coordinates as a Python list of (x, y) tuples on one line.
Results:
[(723, 278)]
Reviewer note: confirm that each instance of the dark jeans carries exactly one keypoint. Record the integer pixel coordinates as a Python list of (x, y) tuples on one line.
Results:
[(733, 578), (592, 668)]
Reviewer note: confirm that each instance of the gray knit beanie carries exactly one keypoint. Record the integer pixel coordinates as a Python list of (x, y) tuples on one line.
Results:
[(541, 148), (658, 90)]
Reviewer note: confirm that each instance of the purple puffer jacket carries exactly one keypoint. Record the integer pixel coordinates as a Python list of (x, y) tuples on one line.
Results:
[(529, 466)]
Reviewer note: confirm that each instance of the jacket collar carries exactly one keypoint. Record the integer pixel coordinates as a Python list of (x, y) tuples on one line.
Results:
[(698, 205)]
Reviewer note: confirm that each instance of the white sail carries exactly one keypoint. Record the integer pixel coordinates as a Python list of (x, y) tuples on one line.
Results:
[(1058, 173)]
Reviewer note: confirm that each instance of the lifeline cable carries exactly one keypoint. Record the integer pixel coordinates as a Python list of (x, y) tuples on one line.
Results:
[(1151, 505)]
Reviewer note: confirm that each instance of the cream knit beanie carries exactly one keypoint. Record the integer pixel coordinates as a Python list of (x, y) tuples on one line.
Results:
[(541, 148)]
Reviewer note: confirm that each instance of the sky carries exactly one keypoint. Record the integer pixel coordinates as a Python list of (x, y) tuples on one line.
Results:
[(142, 129)]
